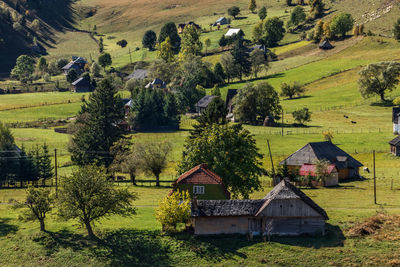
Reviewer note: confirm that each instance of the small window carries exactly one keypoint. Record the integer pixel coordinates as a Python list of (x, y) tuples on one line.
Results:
[(198, 190), (291, 205)]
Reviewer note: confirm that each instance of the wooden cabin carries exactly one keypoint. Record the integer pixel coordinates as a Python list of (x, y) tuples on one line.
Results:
[(286, 210), (82, 85), (347, 166), (203, 103), (202, 183), (395, 146)]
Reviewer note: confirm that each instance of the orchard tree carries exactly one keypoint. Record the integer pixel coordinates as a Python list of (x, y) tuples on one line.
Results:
[(396, 30), (262, 13), (302, 115), (254, 102), (88, 195), (125, 159), (98, 126), (105, 60), (290, 91), (234, 11), (252, 5), (149, 40), (39, 202), (190, 42), (258, 61), (231, 152), (341, 24), (24, 68), (297, 16), (378, 78)]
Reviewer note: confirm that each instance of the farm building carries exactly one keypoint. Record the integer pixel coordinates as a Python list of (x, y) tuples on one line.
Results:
[(396, 120), (395, 146), (347, 166), (229, 99), (182, 26), (261, 47), (286, 210), (128, 104), (139, 74), (203, 103), (77, 63), (202, 183), (325, 45), (82, 85), (310, 169), (156, 83), (221, 21), (234, 32)]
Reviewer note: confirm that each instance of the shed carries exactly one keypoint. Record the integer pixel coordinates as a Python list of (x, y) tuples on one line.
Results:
[(395, 146), (285, 210), (325, 45), (156, 83), (396, 120), (77, 63), (138, 74), (82, 85), (310, 169), (202, 183), (233, 32), (347, 166), (221, 21), (203, 103)]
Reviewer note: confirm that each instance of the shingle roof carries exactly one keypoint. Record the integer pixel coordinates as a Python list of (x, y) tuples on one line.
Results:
[(232, 32), (284, 190), (205, 101), (81, 82), (221, 19), (395, 141), (319, 151), (325, 45), (138, 74), (156, 81)]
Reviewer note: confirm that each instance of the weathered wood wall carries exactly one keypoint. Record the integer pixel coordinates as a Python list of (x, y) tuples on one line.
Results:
[(288, 208)]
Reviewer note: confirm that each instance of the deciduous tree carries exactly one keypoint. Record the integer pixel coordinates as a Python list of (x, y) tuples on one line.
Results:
[(165, 50), (105, 60), (24, 67), (169, 30), (207, 43), (297, 16), (258, 61), (190, 42), (262, 13), (302, 115), (290, 91), (252, 5), (341, 24), (39, 202), (234, 11), (149, 39)]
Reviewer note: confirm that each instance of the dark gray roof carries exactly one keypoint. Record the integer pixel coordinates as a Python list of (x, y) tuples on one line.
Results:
[(395, 115), (81, 82), (138, 74), (74, 63), (156, 81), (205, 101), (395, 141), (221, 19), (127, 102), (235, 207), (284, 190), (319, 151), (325, 45)]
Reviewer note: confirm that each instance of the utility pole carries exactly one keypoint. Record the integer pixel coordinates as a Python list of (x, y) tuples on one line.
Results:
[(130, 57), (282, 121), (272, 163), (55, 170), (374, 178)]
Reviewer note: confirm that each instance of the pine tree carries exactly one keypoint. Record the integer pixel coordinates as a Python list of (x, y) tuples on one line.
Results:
[(98, 126), (45, 168)]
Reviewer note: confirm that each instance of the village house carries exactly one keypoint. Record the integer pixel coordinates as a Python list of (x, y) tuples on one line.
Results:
[(396, 120), (347, 166), (82, 85), (182, 26), (286, 210), (203, 103), (202, 183), (332, 171), (138, 74), (221, 21), (395, 146), (77, 63), (234, 32), (325, 45), (128, 105), (156, 83)]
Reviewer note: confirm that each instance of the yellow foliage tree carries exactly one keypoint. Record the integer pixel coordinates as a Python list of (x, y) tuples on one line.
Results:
[(174, 209), (165, 50)]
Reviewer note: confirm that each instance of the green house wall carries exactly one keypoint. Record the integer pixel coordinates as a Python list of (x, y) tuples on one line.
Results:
[(211, 191)]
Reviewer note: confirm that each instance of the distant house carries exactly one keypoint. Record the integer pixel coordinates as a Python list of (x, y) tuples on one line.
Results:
[(261, 47), (309, 170), (182, 26), (128, 105), (229, 99), (77, 63), (233, 32), (396, 120), (395, 146), (325, 45), (82, 85), (138, 74), (202, 183), (156, 83), (286, 210), (203, 103), (221, 21), (347, 166)]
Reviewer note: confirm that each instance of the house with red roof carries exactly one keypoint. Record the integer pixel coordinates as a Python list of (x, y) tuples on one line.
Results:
[(331, 180), (202, 183)]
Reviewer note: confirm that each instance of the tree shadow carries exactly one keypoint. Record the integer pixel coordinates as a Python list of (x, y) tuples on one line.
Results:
[(240, 18), (333, 237), (6, 228), (384, 104), (298, 97)]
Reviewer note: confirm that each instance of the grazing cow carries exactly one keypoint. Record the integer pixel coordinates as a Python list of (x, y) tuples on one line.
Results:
[(354, 122), (346, 116), (365, 169)]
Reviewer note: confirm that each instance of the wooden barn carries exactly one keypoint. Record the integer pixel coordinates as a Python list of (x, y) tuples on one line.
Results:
[(347, 166), (203, 103), (286, 210), (395, 146), (82, 85), (202, 183)]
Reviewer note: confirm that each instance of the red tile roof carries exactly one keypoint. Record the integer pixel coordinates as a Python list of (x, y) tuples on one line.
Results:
[(309, 169), (199, 175)]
